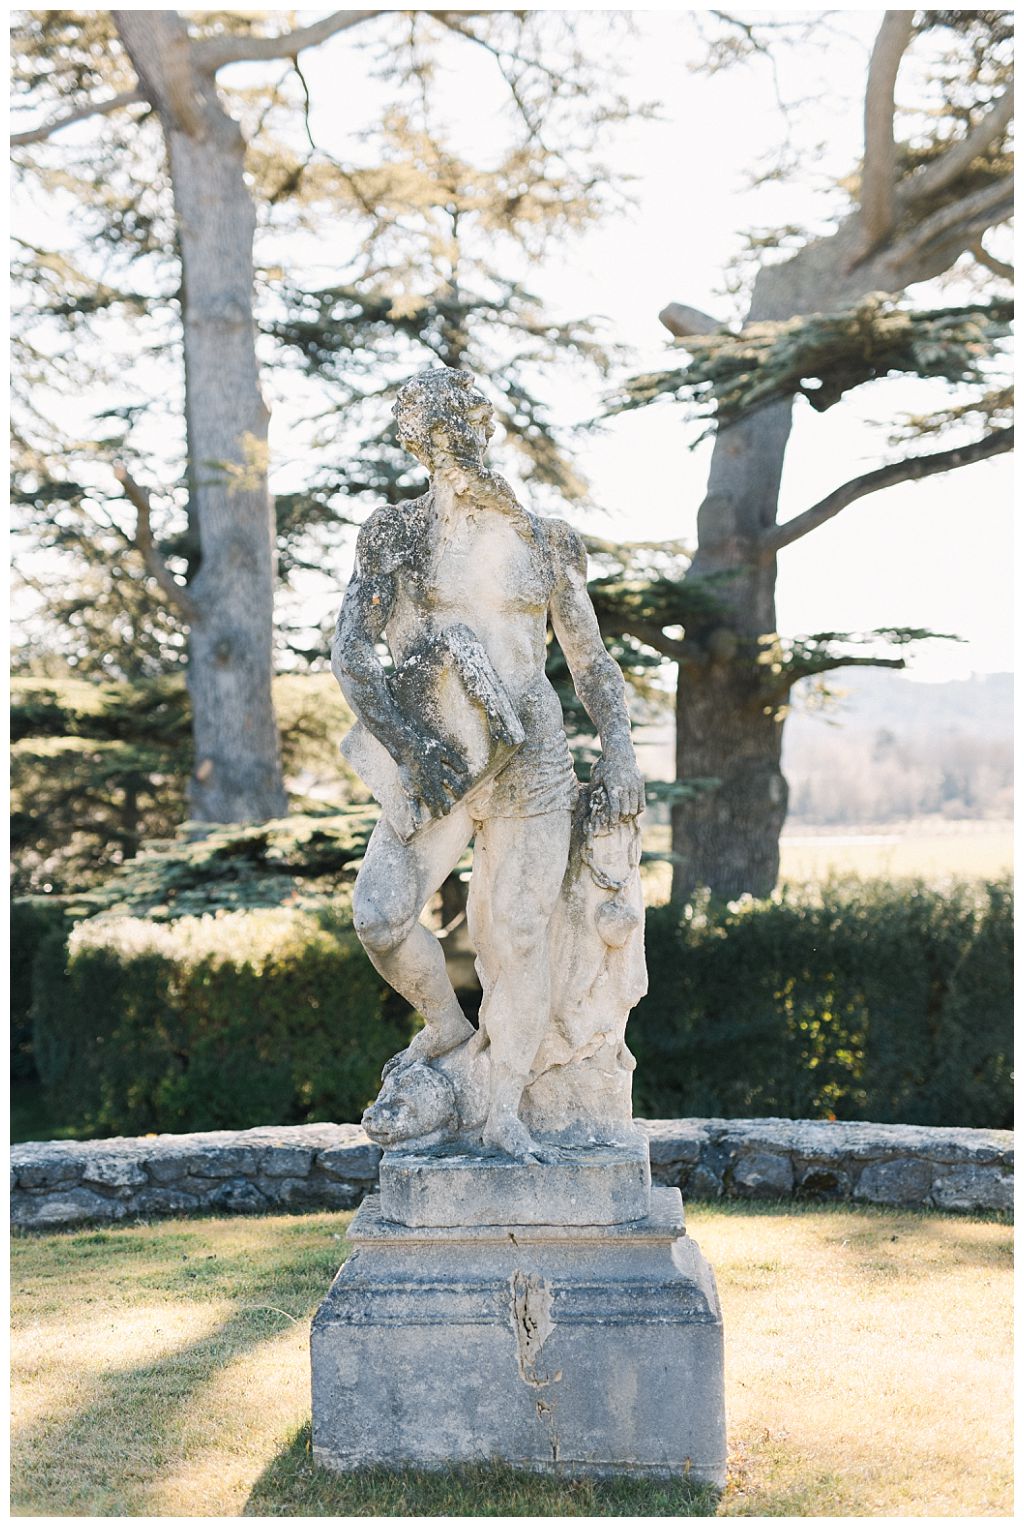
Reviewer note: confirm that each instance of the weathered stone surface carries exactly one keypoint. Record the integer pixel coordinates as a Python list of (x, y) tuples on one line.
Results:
[(114, 1171), (672, 1141), (973, 1187), (695, 1154), (763, 1174), (894, 1182), (165, 1201), (286, 1161), (588, 1350), (239, 1197), (75, 1206), (822, 1179), (604, 1185), (351, 1160), (37, 1166)]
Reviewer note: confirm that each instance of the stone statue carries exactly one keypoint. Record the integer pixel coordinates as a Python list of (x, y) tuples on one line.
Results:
[(519, 1289), (462, 740)]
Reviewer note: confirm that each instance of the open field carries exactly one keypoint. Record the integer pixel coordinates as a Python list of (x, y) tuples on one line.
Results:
[(932, 851), (163, 1370)]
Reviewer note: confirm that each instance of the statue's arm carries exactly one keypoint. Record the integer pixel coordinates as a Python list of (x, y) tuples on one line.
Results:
[(364, 614), (430, 770), (595, 674)]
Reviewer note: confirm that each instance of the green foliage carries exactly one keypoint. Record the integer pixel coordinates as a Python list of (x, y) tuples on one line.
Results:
[(823, 355), (866, 1000), (34, 919), (99, 768), (265, 1016)]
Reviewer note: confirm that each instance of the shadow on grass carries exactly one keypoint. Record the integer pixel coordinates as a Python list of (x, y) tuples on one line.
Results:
[(292, 1485), (106, 1454)]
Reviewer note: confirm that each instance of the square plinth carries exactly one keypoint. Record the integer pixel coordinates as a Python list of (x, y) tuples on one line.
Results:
[(577, 1350), (453, 1185)]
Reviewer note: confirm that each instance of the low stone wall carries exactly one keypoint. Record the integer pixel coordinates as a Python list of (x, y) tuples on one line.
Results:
[(332, 1166)]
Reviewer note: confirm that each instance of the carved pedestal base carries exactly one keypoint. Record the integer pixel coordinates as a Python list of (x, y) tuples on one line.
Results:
[(583, 1350), (450, 1185)]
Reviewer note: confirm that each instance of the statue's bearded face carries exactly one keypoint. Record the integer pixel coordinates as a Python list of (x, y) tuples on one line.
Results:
[(444, 419)]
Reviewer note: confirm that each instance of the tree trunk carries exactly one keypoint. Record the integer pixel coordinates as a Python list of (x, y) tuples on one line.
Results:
[(728, 718), (237, 776)]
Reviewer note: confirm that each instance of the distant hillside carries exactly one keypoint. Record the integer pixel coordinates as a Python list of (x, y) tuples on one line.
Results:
[(894, 749)]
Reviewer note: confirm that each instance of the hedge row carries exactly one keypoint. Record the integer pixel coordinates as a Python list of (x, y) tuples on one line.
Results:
[(857, 1001), (268, 1016)]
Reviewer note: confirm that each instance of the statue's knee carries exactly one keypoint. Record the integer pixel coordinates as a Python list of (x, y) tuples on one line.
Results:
[(377, 932)]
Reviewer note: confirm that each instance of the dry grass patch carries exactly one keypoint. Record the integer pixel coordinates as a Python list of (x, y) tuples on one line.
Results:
[(163, 1370)]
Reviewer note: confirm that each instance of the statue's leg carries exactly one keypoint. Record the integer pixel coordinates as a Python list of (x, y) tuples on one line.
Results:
[(518, 867), (394, 884)]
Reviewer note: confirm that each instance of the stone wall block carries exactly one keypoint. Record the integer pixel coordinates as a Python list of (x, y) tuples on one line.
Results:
[(895, 1182), (238, 1196), (35, 1167), (114, 1171), (673, 1141), (762, 1174), (821, 1179), (224, 1161), (76, 1206), (972, 1187), (286, 1161), (169, 1166), (704, 1183), (165, 1200), (351, 1161)]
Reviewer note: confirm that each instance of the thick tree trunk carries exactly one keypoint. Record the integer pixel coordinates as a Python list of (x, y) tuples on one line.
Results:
[(728, 717), (237, 776)]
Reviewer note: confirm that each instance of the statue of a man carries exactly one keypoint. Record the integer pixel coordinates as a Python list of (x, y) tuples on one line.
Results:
[(467, 566)]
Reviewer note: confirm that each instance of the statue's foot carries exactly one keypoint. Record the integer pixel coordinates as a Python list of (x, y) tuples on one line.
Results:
[(509, 1134), (432, 1041)]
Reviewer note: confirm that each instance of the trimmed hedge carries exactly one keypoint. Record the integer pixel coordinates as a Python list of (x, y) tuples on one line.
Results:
[(268, 1016), (854, 1000), (34, 920)]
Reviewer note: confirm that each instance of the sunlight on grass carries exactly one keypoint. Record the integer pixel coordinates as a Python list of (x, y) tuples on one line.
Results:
[(163, 1370)]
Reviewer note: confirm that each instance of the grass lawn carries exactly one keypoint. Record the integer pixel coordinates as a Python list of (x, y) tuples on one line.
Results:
[(163, 1370)]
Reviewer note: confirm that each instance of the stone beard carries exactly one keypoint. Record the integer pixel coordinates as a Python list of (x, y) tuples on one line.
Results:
[(463, 741)]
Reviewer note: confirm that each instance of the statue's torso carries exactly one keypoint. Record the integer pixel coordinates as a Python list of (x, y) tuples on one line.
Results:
[(484, 571), (496, 575)]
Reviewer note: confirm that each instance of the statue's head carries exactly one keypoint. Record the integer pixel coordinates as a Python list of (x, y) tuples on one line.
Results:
[(444, 419)]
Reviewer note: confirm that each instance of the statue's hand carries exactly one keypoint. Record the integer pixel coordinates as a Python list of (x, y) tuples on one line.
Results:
[(434, 773), (623, 784)]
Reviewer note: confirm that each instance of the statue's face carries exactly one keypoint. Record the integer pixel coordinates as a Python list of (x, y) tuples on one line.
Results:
[(444, 420)]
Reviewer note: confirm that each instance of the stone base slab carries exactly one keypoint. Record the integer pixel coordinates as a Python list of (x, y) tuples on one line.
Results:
[(588, 1350), (460, 1185)]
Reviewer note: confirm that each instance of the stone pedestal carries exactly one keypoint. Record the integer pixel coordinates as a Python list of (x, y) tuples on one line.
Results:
[(583, 1349), (457, 1184)]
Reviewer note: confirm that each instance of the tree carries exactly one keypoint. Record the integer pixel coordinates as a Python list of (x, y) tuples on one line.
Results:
[(213, 565), (815, 326)]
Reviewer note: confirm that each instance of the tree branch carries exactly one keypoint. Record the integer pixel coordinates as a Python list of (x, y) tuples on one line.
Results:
[(878, 177), (960, 220), (997, 267), (912, 469), (90, 109), (959, 157), (156, 565), (806, 670), (212, 53), (684, 321)]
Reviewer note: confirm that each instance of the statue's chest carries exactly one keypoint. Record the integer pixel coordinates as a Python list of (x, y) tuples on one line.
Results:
[(480, 565)]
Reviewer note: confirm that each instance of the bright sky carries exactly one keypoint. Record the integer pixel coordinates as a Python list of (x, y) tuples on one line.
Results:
[(935, 554)]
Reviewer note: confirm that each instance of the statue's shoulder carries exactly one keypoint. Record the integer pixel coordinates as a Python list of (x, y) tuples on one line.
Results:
[(389, 538), (565, 545)]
